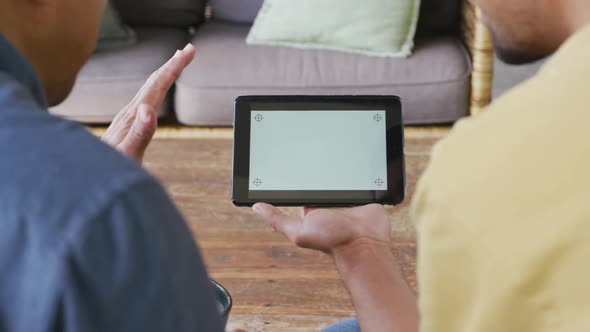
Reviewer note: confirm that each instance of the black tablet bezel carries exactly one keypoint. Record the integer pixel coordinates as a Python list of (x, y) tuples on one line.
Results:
[(395, 193)]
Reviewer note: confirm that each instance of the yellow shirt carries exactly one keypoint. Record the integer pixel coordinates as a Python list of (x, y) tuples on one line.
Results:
[(503, 211)]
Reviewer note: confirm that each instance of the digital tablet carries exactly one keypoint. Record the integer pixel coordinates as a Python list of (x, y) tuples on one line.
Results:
[(318, 150)]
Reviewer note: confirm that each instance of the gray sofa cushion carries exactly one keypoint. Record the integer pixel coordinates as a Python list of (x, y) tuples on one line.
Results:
[(109, 81), (433, 83), (436, 16), (177, 13)]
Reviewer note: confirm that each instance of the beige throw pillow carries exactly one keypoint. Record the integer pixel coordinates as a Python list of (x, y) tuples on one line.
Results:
[(373, 27)]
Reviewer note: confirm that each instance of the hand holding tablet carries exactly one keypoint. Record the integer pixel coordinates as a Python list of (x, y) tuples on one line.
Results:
[(318, 150)]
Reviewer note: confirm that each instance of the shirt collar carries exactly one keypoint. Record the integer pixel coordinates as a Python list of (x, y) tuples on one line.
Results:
[(13, 63)]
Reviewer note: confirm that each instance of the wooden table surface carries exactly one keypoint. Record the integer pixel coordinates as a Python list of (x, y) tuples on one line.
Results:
[(275, 286)]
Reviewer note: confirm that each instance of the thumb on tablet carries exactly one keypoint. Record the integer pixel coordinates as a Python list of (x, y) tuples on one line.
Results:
[(279, 220)]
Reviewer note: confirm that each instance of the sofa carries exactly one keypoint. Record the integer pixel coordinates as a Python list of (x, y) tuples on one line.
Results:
[(447, 77)]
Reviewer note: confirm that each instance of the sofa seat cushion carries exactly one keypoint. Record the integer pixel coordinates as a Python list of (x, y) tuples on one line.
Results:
[(109, 81), (433, 83)]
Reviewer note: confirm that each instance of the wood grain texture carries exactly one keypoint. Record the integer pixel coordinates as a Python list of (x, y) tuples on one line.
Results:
[(275, 286), (479, 41), (178, 131)]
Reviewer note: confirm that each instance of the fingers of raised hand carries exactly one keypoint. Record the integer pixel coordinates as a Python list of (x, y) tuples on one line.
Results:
[(158, 84), (119, 128), (152, 93), (140, 134)]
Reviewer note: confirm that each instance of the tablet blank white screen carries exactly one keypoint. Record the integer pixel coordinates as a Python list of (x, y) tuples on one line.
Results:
[(318, 150)]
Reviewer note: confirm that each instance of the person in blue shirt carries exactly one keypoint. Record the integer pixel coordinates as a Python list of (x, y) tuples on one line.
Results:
[(88, 240)]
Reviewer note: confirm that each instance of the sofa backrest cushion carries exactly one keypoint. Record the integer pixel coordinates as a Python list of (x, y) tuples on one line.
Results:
[(176, 13), (436, 16), (113, 33), (439, 17), (237, 11)]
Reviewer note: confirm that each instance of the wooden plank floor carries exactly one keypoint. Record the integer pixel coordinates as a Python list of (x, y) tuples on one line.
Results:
[(275, 286)]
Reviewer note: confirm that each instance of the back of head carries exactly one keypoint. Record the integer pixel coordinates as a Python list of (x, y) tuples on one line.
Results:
[(527, 30), (56, 36)]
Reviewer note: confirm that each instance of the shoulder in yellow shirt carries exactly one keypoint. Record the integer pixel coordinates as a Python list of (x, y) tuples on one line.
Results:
[(503, 211)]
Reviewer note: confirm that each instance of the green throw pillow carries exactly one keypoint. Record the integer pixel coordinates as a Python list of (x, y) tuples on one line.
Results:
[(113, 33), (373, 27)]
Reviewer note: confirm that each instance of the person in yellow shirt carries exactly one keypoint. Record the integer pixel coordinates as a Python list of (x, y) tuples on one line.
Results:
[(503, 210)]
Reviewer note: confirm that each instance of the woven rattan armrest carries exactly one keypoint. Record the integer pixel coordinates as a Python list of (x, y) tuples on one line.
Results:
[(479, 41)]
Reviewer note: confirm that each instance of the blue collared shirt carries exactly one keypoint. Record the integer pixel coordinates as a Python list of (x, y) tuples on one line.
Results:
[(88, 240)]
